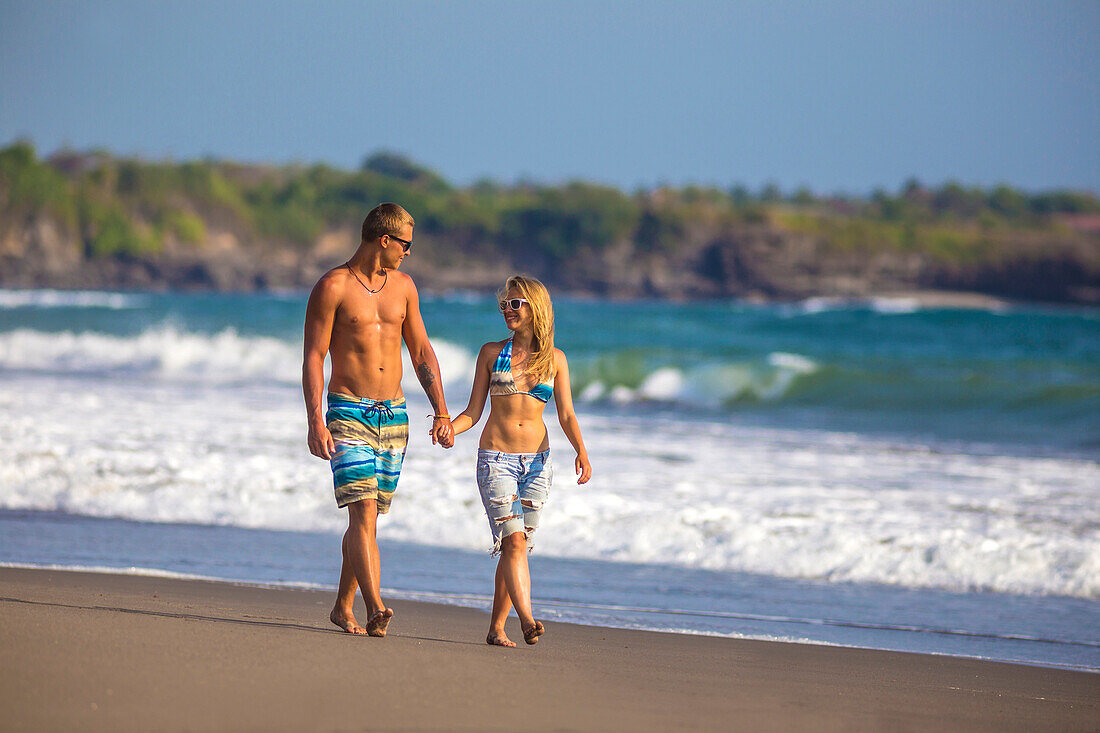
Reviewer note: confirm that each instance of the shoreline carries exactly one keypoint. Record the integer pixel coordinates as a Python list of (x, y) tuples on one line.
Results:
[(482, 603), (126, 652)]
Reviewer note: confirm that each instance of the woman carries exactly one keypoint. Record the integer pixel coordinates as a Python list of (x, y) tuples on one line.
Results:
[(520, 373)]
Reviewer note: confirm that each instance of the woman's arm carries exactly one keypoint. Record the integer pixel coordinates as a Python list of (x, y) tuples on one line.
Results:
[(479, 391), (567, 418)]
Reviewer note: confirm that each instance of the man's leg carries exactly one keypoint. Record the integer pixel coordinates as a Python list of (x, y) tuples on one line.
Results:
[(343, 612), (366, 565)]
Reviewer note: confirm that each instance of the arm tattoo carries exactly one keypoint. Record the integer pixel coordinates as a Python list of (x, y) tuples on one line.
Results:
[(427, 378)]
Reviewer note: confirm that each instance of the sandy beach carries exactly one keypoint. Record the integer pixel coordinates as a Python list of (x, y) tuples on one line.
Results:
[(116, 652)]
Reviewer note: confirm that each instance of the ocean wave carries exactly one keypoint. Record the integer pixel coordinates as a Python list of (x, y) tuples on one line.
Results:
[(830, 506), (893, 304), (711, 385), (165, 352), (169, 353), (873, 388), (70, 299), (823, 304)]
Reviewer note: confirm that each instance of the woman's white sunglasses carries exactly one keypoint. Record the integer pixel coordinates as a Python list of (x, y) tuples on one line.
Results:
[(511, 304)]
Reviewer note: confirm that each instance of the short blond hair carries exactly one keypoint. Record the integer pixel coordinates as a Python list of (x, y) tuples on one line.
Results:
[(386, 219), (540, 364)]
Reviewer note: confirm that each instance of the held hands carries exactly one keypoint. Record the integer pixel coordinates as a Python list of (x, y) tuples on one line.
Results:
[(442, 432), (584, 468), (320, 442)]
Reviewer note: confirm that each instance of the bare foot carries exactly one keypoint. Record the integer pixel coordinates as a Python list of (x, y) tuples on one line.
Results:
[(531, 634), (377, 624), (347, 623), (499, 638)]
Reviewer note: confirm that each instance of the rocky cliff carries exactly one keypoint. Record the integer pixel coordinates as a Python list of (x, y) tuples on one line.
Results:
[(222, 234)]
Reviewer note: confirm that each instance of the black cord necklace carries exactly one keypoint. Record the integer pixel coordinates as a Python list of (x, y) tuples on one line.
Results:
[(372, 292)]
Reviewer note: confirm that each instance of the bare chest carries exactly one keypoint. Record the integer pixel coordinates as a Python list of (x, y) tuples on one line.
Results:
[(363, 315)]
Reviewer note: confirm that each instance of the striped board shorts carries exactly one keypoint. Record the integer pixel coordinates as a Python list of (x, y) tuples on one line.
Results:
[(370, 437)]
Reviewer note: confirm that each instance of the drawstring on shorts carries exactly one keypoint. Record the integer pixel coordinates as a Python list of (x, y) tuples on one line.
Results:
[(378, 409)]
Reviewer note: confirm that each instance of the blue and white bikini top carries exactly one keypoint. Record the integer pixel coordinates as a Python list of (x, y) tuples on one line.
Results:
[(502, 383)]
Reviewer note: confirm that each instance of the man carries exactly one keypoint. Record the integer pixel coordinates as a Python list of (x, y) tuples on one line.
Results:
[(358, 313)]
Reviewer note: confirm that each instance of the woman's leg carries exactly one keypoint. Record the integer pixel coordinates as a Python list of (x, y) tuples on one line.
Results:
[(517, 576), (532, 491), (502, 604), (499, 476)]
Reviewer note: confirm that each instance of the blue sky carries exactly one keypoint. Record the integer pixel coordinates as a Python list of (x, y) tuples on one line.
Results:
[(839, 96)]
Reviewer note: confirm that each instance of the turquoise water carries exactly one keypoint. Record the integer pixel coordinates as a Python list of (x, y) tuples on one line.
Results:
[(1023, 375), (869, 473)]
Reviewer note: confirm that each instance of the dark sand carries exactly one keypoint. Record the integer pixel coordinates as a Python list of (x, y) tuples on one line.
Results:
[(84, 651)]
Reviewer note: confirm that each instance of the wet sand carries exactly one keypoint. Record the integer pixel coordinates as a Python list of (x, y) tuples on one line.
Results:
[(96, 652)]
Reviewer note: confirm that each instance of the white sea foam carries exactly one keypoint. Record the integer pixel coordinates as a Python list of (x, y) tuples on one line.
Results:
[(164, 352), (70, 299), (793, 503), (710, 385), (883, 304), (593, 391), (891, 304), (819, 305), (895, 305), (792, 362), (663, 384), (110, 570), (170, 354)]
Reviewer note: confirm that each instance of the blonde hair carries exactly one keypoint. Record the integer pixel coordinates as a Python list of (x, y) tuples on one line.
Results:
[(540, 363), (385, 219)]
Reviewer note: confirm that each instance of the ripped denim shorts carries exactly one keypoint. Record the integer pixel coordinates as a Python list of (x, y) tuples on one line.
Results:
[(513, 486)]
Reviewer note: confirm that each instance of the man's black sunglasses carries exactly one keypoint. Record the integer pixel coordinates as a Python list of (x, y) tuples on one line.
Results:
[(405, 243)]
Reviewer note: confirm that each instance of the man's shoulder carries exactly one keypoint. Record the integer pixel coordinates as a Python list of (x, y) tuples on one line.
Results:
[(402, 279), (403, 284), (336, 277), (331, 285)]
